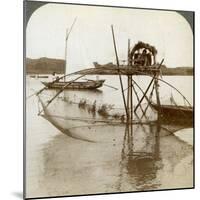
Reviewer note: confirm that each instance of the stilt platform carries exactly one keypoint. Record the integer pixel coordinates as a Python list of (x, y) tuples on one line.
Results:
[(123, 70)]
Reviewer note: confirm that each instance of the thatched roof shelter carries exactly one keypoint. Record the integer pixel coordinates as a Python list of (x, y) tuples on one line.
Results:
[(141, 45)]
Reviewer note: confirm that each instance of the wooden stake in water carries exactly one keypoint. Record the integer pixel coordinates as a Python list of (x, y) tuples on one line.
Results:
[(152, 80), (120, 78), (128, 83), (129, 91)]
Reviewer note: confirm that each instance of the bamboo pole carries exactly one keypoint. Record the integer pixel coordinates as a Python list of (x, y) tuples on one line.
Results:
[(169, 85), (120, 78), (143, 95), (149, 103), (137, 98), (66, 38), (128, 94), (128, 56), (128, 83), (148, 87), (157, 91), (51, 100), (175, 89), (141, 91), (157, 141), (131, 91)]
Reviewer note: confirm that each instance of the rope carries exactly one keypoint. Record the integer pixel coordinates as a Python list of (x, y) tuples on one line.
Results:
[(138, 99), (150, 100), (169, 85), (153, 78), (141, 91)]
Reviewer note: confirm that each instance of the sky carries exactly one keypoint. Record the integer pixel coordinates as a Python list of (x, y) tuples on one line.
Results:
[(91, 38)]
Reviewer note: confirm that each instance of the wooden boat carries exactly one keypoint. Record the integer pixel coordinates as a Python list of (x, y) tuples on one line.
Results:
[(89, 84), (174, 111), (39, 76), (33, 76), (43, 76)]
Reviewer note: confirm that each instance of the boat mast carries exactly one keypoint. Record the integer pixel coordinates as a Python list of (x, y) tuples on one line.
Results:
[(66, 40), (65, 67)]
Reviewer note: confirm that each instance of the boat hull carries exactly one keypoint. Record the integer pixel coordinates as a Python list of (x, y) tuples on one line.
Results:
[(175, 114), (75, 85)]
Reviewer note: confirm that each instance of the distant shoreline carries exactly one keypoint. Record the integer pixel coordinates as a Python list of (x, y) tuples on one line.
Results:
[(50, 65)]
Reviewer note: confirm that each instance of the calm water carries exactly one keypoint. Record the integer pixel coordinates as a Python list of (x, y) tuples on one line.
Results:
[(146, 158)]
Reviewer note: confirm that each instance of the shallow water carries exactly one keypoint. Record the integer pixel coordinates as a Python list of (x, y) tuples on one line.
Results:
[(146, 158)]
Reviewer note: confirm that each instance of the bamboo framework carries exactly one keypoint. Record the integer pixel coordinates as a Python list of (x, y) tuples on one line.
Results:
[(130, 111), (128, 100)]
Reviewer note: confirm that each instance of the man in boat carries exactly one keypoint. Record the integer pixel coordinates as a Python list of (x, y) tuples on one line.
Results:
[(55, 78)]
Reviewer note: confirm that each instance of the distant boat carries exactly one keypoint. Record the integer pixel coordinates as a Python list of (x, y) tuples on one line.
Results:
[(39, 76), (108, 65), (89, 84), (33, 76), (43, 76)]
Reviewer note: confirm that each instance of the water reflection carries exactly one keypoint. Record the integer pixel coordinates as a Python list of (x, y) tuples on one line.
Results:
[(145, 161), (143, 156), (140, 164)]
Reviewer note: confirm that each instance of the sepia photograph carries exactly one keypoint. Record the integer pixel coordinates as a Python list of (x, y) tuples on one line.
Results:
[(109, 94)]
